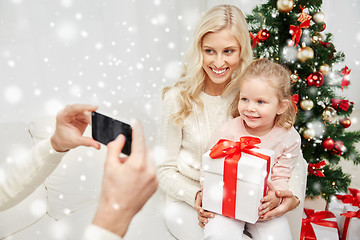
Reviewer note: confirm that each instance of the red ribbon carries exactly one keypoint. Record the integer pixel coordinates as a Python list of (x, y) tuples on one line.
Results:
[(295, 100), (315, 168), (341, 103), (296, 31), (345, 82), (307, 231), (349, 215), (232, 153), (353, 198), (255, 39)]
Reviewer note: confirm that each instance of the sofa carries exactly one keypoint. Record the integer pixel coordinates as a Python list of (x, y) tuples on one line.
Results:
[(65, 203)]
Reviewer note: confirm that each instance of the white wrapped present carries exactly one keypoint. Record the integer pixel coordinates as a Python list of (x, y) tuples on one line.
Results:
[(351, 228), (234, 178), (343, 203), (319, 225)]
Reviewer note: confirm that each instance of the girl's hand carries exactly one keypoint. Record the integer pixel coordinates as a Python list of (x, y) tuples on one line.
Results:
[(269, 202), (203, 216), (289, 203)]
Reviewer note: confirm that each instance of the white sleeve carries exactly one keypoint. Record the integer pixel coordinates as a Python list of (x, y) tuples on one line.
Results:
[(22, 176), (93, 232), (170, 139)]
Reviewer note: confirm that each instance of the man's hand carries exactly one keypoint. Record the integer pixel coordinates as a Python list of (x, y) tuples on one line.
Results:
[(127, 183), (71, 123)]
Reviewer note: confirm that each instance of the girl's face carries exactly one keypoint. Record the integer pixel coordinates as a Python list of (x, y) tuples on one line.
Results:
[(221, 56), (259, 105)]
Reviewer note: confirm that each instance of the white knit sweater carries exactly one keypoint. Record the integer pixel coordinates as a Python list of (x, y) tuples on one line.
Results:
[(181, 148)]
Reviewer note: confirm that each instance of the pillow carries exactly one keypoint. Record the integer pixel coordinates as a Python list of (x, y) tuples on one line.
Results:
[(76, 182)]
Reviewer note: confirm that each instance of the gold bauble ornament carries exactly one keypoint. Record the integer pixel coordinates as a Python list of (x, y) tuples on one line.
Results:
[(309, 133), (306, 104), (305, 53), (318, 37), (318, 17), (329, 115), (294, 78), (285, 6), (324, 69)]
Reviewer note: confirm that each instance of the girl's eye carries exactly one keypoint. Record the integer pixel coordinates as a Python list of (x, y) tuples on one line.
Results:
[(244, 99), (261, 102)]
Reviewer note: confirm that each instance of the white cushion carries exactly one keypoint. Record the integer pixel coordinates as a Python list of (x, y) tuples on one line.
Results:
[(46, 228), (76, 182), (298, 179)]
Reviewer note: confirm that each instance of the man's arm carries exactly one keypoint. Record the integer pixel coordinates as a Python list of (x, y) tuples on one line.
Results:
[(26, 173)]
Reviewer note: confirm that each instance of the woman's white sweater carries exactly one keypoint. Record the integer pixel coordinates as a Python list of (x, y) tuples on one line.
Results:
[(180, 148)]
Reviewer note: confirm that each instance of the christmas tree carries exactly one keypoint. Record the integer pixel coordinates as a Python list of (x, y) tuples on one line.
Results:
[(292, 33)]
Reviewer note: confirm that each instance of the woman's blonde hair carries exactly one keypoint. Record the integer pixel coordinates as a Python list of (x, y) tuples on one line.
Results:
[(277, 77), (192, 78)]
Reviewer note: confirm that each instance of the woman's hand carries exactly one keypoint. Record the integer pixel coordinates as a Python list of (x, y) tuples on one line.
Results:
[(203, 216), (289, 202)]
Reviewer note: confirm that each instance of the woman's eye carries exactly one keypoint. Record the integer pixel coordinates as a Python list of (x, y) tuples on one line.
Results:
[(229, 51), (209, 51)]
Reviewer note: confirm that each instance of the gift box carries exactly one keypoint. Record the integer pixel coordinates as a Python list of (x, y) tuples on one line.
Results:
[(234, 178), (337, 207), (351, 226), (319, 225), (344, 203)]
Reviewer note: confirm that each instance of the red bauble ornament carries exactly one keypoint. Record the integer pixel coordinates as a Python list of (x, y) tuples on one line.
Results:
[(323, 27), (345, 122), (339, 148), (316, 78), (328, 143), (264, 35)]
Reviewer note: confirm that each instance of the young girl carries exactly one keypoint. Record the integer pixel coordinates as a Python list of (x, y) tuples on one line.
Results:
[(266, 112)]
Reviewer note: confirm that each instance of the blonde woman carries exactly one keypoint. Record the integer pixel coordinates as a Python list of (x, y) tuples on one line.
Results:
[(194, 108)]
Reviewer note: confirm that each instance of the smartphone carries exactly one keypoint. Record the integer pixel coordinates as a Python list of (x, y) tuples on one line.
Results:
[(105, 129)]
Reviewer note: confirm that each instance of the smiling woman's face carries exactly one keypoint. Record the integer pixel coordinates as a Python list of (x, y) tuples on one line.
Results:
[(221, 56)]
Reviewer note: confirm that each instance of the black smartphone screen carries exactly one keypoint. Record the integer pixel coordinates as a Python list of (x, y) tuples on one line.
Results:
[(106, 129)]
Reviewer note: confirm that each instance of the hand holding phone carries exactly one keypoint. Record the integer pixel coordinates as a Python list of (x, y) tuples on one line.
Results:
[(106, 129)]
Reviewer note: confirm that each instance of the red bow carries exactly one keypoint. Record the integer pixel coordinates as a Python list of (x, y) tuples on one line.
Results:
[(307, 230), (348, 215), (255, 39), (341, 103), (232, 153), (296, 31), (353, 198), (295, 100), (345, 80), (315, 168)]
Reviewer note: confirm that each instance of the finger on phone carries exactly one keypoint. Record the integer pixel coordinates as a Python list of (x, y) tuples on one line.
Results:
[(78, 108), (138, 141), (115, 147)]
